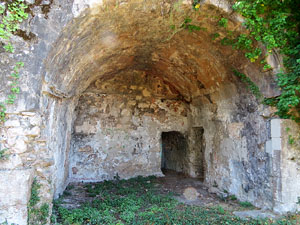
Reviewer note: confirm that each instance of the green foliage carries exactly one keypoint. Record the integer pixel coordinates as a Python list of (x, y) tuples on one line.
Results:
[(2, 112), (246, 204), (138, 201), (223, 22), (190, 27), (3, 154), (215, 36), (276, 24), (11, 15), (250, 84), (37, 215), (291, 140), (34, 199), (232, 197), (14, 90)]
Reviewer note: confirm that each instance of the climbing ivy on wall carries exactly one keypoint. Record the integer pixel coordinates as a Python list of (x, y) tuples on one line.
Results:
[(12, 13), (274, 23), (37, 214)]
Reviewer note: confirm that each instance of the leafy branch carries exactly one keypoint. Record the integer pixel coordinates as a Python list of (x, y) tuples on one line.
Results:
[(276, 24)]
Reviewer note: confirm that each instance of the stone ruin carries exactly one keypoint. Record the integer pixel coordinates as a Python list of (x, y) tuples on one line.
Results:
[(109, 90)]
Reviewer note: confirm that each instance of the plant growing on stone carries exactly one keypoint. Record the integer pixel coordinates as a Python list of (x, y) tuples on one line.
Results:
[(223, 22), (250, 84), (276, 25), (11, 15), (37, 215), (3, 154), (246, 204)]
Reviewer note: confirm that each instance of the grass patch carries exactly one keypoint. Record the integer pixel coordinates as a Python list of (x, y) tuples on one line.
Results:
[(138, 202), (246, 204)]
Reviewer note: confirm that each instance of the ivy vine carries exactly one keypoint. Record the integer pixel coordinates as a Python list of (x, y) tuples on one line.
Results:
[(274, 23), (37, 214), (250, 84), (12, 13)]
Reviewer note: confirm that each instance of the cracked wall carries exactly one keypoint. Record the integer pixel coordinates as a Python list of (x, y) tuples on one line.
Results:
[(119, 124)]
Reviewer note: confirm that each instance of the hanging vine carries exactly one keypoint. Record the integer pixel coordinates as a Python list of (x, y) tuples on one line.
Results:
[(12, 13), (274, 23)]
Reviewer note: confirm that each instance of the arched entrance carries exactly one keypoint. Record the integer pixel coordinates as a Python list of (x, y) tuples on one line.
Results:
[(116, 79)]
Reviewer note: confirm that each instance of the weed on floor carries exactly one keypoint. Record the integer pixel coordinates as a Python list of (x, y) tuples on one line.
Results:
[(138, 201)]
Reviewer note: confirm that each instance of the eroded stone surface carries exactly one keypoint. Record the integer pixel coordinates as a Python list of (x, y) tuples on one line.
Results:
[(120, 133), (14, 194)]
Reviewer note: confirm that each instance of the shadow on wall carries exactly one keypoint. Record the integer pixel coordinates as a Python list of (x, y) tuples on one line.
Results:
[(174, 151)]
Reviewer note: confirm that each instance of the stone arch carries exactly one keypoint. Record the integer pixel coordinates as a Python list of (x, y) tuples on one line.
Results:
[(101, 45), (108, 43)]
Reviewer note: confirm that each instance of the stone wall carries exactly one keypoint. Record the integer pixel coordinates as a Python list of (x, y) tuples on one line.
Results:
[(235, 136), (118, 127)]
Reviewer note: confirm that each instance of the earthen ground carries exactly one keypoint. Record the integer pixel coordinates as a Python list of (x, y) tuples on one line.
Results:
[(190, 191)]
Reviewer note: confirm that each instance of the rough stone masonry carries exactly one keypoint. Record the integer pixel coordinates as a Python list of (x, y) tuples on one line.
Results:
[(108, 89)]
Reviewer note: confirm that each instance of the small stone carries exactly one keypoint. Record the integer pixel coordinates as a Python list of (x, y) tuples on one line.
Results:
[(213, 190), (15, 132), (74, 170), (14, 161), (28, 113), (87, 148), (34, 131), (11, 141), (125, 112), (12, 123), (35, 121), (146, 93), (191, 194), (131, 103), (143, 105), (20, 146)]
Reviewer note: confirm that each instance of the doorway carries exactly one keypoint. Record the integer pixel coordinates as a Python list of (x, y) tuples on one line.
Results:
[(174, 151)]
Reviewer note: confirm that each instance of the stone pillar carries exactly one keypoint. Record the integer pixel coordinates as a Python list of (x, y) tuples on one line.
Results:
[(285, 165)]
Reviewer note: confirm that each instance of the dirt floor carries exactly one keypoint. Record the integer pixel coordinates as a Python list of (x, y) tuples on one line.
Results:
[(192, 191), (187, 190)]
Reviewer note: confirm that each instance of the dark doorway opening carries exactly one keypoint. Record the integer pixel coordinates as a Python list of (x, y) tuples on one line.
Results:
[(174, 152)]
